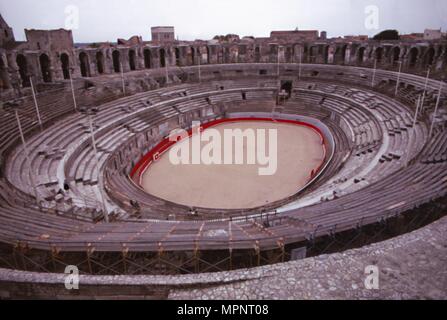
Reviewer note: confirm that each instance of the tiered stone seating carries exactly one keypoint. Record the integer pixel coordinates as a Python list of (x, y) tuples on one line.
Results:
[(357, 188)]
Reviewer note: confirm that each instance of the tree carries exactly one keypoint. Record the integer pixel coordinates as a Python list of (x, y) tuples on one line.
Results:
[(387, 35)]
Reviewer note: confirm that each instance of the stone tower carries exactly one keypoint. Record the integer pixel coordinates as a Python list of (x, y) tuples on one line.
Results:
[(6, 33)]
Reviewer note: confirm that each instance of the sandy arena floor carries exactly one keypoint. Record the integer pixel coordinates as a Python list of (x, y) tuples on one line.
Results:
[(239, 186)]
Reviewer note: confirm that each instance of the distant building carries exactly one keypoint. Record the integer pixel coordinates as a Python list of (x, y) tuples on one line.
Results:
[(323, 35), (432, 34), (294, 35), (357, 38), (162, 35), (412, 36), (6, 33), (49, 40)]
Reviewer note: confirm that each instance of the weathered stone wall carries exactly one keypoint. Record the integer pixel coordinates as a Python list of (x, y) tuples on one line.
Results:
[(415, 56)]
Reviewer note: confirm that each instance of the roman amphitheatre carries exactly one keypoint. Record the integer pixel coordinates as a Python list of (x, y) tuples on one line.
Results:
[(85, 182)]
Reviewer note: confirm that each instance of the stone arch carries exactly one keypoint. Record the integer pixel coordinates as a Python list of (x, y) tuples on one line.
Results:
[(116, 61), (84, 64), (395, 55), (361, 55), (340, 54), (132, 60), (22, 63), (65, 64), (429, 56), (147, 58), (177, 56), (258, 54), (162, 54), (379, 54), (413, 57), (326, 54), (193, 56), (208, 55), (100, 62), (313, 53), (45, 67)]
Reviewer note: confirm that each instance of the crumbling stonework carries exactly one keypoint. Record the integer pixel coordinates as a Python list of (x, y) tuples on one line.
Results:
[(50, 56)]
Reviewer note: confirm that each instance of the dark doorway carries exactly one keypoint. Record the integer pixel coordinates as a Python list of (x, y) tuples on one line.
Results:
[(116, 61), (177, 56), (361, 55), (65, 62), (429, 57), (100, 62), (193, 56), (287, 87), (45, 67), (162, 58), (23, 70), (379, 54), (396, 55), (85, 65), (147, 58), (208, 55), (326, 54), (257, 54), (132, 58), (413, 57)]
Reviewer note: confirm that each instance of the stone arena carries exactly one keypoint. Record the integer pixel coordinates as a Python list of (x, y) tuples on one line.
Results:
[(84, 181)]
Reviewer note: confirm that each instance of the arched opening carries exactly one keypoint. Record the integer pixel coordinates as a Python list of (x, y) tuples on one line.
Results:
[(287, 87), (208, 55), (45, 67), (340, 55), (193, 56), (413, 57), (326, 54), (23, 70), (162, 58), (313, 52), (132, 57), (65, 62), (177, 56), (4, 79), (85, 65), (361, 55), (379, 54), (116, 61), (395, 56), (257, 54), (100, 62), (147, 58), (429, 57)]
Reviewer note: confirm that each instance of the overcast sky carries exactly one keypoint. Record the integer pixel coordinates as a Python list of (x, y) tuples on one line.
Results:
[(107, 20)]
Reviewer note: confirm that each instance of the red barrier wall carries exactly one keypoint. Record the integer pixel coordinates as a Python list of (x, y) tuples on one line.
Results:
[(165, 144)]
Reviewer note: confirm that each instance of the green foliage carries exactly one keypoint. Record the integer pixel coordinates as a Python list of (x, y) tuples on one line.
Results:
[(387, 35)]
